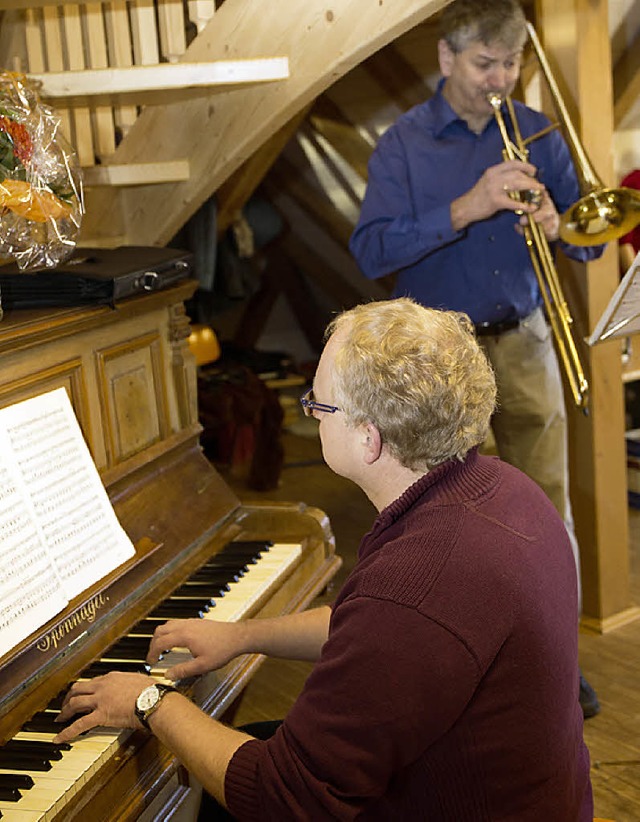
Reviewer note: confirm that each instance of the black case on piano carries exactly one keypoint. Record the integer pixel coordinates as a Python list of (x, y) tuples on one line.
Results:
[(95, 276)]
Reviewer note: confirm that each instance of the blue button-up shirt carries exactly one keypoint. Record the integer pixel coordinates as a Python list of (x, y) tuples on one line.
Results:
[(427, 159)]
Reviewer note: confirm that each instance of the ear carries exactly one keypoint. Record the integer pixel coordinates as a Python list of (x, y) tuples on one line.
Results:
[(371, 443), (445, 57)]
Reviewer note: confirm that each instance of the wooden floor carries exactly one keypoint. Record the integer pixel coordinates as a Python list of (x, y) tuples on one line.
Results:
[(610, 662)]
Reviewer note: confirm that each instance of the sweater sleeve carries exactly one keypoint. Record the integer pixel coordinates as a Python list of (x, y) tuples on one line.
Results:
[(389, 683)]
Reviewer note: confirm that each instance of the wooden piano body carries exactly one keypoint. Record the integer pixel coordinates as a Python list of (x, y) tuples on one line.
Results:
[(132, 382)]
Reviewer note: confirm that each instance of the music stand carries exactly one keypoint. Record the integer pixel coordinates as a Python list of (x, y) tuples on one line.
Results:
[(621, 317)]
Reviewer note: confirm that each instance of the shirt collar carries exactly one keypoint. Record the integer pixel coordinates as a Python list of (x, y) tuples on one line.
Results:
[(444, 116)]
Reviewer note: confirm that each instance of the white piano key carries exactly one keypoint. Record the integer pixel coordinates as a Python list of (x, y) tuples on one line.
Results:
[(244, 593), (53, 789), (242, 596)]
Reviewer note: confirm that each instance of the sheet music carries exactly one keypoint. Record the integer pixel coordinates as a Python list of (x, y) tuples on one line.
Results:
[(67, 536), (622, 316), (30, 589)]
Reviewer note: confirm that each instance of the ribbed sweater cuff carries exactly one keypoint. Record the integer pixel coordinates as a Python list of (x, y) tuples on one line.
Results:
[(241, 780)]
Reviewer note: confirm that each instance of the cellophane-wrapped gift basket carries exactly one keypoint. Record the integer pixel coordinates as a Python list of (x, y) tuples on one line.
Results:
[(41, 198)]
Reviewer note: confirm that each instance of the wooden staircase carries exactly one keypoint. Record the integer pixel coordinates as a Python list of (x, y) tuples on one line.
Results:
[(231, 79)]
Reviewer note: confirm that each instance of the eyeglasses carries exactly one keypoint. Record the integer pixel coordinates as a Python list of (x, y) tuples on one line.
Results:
[(309, 405)]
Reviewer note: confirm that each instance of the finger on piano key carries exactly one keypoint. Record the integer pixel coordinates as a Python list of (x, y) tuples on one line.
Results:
[(176, 656), (242, 596)]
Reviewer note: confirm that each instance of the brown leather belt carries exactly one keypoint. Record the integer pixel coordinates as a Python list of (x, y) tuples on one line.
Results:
[(495, 329)]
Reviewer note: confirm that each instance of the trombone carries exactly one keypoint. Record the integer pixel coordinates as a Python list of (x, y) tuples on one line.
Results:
[(601, 214)]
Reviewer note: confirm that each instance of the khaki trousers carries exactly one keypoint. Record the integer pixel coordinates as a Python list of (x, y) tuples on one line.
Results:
[(530, 425)]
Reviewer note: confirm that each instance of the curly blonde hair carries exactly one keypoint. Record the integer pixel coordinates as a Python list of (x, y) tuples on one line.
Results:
[(418, 374)]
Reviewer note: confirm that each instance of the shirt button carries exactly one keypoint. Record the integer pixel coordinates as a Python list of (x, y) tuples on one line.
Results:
[(492, 239), (496, 273), (498, 307)]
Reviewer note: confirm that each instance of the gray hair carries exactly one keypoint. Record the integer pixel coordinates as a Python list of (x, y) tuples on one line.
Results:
[(488, 21)]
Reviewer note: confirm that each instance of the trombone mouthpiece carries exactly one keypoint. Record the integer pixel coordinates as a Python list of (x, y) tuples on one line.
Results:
[(494, 99)]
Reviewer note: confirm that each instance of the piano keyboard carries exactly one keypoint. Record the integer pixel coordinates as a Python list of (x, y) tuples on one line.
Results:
[(226, 588)]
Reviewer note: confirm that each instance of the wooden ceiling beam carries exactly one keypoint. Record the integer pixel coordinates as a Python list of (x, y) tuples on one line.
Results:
[(329, 121), (397, 77), (286, 178), (626, 82), (325, 276)]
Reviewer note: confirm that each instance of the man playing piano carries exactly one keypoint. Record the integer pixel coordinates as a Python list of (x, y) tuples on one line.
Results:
[(463, 602)]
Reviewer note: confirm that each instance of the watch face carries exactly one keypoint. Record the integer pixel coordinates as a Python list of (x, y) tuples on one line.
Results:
[(148, 698)]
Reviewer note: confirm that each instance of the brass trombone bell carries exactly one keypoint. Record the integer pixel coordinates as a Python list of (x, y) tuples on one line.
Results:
[(601, 214)]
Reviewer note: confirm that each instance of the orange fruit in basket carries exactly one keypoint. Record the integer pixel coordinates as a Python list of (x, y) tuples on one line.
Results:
[(38, 205)]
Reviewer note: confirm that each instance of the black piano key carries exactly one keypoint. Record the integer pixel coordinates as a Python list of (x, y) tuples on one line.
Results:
[(215, 577), (56, 703), (43, 722), (179, 610), (16, 780), (228, 563), (232, 569), (145, 627), (248, 545), (23, 762), (212, 575), (13, 784), (122, 663), (99, 667), (28, 747), (194, 598), (221, 572), (200, 588), (231, 561), (128, 650)]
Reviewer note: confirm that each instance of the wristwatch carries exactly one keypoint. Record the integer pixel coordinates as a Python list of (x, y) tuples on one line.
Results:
[(149, 700)]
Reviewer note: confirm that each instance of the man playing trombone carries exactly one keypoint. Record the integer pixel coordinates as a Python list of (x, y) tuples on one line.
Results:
[(446, 213)]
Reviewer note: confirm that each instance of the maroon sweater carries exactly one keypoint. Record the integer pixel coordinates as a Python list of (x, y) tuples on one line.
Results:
[(448, 686)]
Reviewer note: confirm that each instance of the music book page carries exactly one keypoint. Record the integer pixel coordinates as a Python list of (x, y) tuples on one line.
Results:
[(621, 318), (59, 532)]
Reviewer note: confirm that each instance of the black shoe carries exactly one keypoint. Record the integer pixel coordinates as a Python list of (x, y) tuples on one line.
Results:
[(588, 699)]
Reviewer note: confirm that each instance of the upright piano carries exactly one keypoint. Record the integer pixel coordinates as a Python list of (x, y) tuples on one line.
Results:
[(132, 382)]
